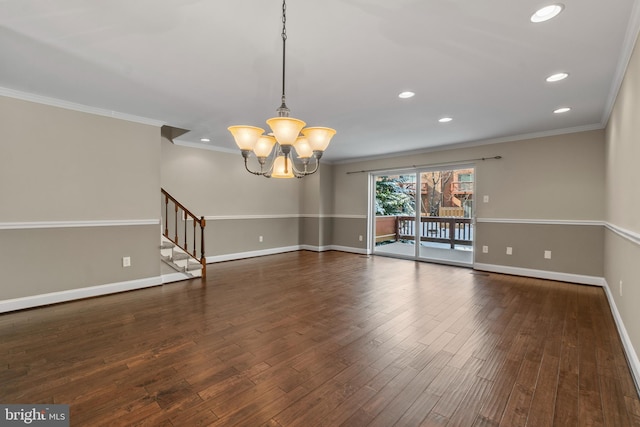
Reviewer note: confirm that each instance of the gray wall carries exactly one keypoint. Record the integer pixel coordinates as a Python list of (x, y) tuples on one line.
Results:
[(239, 207), (555, 184), (61, 173), (622, 237)]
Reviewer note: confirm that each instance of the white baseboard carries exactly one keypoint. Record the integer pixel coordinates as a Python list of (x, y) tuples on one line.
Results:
[(334, 248), (251, 254), (541, 274), (630, 353), (273, 251), (74, 294), (174, 277)]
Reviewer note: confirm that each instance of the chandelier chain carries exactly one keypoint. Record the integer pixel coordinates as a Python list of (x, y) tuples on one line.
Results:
[(283, 110)]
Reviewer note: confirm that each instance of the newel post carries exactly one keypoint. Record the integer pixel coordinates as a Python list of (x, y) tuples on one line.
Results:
[(203, 260)]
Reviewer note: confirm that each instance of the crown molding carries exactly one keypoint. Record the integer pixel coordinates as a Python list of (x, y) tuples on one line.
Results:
[(54, 102), (477, 143), (630, 40)]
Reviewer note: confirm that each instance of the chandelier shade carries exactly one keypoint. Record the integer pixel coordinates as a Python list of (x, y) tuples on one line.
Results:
[(285, 129), (246, 136), (319, 137), (303, 149), (275, 150), (264, 145), (282, 168)]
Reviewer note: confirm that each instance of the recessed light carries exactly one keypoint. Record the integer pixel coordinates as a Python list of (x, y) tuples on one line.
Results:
[(445, 119), (557, 77), (407, 94), (205, 140), (562, 110), (547, 12)]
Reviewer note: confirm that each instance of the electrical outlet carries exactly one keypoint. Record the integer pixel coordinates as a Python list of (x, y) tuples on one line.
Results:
[(260, 239), (509, 250), (485, 199), (126, 261), (547, 254), (485, 249), (360, 237), (620, 287)]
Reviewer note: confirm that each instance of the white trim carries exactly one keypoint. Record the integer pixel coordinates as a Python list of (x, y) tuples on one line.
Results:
[(54, 102), (469, 144), (539, 221), (231, 217), (205, 146), (273, 251), (174, 277), (541, 274), (75, 224), (250, 254), (624, 233), (281, 216), (623, 62), (632, 357), (74, 294), (349, 249), (343, 216)]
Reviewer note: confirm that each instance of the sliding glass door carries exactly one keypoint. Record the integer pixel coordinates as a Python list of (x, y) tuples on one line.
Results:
[(425, 215)]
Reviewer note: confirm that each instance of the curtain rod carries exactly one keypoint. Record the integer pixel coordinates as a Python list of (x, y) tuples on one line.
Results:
[(425, 165)]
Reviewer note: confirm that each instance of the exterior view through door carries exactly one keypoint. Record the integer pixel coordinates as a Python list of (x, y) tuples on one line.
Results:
[(433, 207)]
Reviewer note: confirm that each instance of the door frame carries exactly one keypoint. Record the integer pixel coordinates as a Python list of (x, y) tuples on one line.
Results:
[(418, 171)]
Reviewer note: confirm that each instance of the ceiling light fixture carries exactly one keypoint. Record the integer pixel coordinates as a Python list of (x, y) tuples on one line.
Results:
[(547, 12), (445, 120), (406, 94), (284, 137), (557, 77), (562, 110), (205, 140)]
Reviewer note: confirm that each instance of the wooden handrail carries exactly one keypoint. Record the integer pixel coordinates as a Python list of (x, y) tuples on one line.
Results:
[(444, 230), (448, 237), (186, 214)]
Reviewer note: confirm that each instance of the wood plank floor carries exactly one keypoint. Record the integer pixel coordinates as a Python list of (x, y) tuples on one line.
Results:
[(327, 339)]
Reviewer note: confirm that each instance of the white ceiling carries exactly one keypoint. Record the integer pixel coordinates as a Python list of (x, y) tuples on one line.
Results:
[(206, 65)]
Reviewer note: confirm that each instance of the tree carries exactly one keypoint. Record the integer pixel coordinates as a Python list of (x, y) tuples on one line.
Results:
[(393, 197), (435, 182)]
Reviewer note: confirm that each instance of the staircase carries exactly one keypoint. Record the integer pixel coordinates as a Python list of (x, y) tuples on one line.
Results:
[(182, 237), (179, 260)]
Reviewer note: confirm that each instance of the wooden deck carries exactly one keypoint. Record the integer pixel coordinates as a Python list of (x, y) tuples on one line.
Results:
[(329, 339)]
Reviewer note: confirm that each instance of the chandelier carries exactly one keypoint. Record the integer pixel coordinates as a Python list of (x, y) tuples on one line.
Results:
[(275, 150)]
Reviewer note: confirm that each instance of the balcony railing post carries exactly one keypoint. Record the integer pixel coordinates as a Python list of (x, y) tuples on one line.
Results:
[(452, 232)]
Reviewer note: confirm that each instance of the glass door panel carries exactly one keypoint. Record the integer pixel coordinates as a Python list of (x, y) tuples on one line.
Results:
[(446, 215), (395, 215)]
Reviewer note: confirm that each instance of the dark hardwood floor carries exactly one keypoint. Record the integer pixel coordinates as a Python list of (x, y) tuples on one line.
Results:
[(329, 339)]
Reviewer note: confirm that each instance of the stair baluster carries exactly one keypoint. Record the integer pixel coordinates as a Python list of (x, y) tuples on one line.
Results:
[(185, 215)]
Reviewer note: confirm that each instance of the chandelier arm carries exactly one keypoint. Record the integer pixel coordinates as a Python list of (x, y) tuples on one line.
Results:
[(246, 166), (302, 173)]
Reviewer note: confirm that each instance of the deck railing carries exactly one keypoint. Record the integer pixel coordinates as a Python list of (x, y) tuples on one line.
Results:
[(451, 230)]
